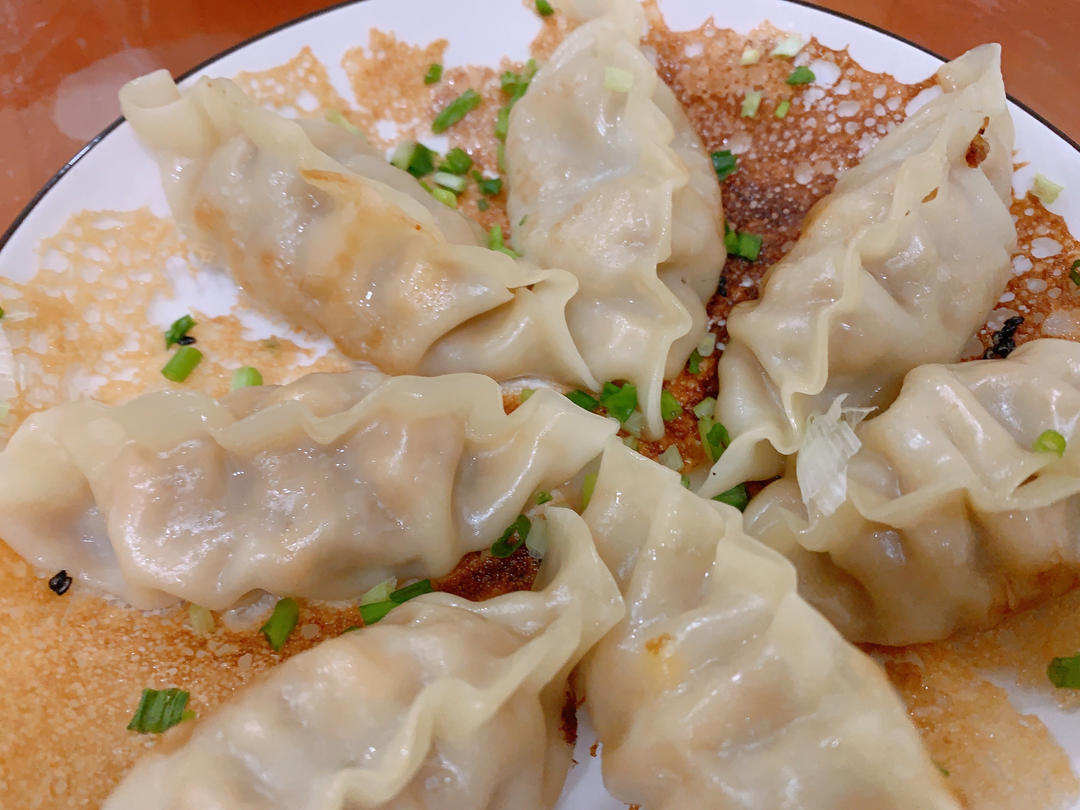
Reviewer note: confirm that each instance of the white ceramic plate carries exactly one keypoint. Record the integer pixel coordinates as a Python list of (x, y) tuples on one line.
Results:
[(113, 172)]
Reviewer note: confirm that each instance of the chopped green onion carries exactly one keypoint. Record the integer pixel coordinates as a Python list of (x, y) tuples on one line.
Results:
[(434, 73), (502, 122), (511, 540), (782, 109), (693, 365), (445, 196), (669, 406), (801, 75), (685, 481), (671, 458), (421, 162), (1046, 189), (942, 768), (245, 377), (455, 111), (742, 244), (182, 363), (495, 242), (488, 185), (515, 84), (379, 593), (618, 80), (635, 423), (588, 486), (457, 161), (1074, 272), (789, 46), (705, 408), (736, 496), (525, 393), (2, 315), (412, 591), (750, 56), (714, 437), (1050, 441), (200, 619), (482, 204), (583, 400), (454, 182), (414, 158), (631, 442), (336, 117), (500, 156), (180, 327), (1064, 673), (723, 163), (542, 497), (160, 710), (281, 622), (751, 102), (374, 611), (619, 401), (707, 345), (543, 8)]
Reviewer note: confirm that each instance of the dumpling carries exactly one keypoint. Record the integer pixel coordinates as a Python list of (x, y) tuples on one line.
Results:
[(320, 489), (445, 704), (315, 225), (723, 688), (952, 518), (612, 184), (897, 267)]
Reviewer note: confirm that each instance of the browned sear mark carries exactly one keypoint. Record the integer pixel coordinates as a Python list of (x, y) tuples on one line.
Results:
[(979, 147)]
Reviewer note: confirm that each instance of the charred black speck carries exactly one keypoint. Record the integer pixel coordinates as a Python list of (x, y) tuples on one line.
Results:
[(186, 340), (1004, 339), (721, 288), (59, 583)]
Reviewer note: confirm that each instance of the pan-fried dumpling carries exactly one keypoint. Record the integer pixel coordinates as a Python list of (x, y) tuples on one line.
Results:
[(897, 267), (321, 489), (722, 687), (445, 704), (952, 518), (315, 225), (610, 182)]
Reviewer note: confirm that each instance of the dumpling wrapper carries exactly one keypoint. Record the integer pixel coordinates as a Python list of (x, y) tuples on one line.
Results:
[(952, 519), (321, 488), (897, 267), (722, 688), (444, 704), (616, 188), (314, 224)]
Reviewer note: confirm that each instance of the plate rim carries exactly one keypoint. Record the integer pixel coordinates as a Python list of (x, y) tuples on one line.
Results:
[(21, 217)]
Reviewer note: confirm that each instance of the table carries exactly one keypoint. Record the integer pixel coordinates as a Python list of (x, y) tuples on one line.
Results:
[(61, 62)]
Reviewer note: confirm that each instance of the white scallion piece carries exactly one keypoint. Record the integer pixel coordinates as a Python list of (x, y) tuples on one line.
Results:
[(822, 462), (634, 423), (537, 541), (1046, 189), (707, 345), (750, 56), (788, 47), (750, 103), (671, 458), (380, 593), (454, 182), (201, 620)]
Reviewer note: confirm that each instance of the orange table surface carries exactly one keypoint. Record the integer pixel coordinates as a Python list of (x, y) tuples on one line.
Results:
[(61, 63)]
